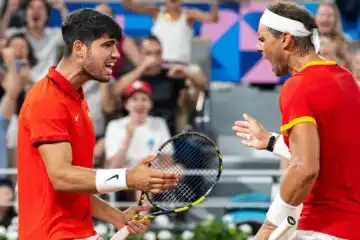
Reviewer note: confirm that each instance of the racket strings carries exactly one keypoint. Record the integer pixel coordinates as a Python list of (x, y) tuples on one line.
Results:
[(196, 161)]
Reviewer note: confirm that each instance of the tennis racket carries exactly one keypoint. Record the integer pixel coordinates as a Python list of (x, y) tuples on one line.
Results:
[(198, 163), (285, 226)]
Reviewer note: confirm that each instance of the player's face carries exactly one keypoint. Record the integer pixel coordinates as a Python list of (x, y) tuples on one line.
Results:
[(139, 103), (100, 58), (272, 50)]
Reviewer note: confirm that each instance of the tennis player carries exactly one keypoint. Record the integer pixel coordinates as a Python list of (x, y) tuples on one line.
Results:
[(320, 106), (56, 143)]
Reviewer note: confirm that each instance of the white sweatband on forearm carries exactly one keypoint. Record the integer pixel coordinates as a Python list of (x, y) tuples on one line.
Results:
[(279, 210), (111, 180), (281, 149)]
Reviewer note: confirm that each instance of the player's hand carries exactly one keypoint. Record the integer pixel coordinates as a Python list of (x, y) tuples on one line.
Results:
[(126, 218), (253, 134), (265, 231), (146, 179), (136, 226)]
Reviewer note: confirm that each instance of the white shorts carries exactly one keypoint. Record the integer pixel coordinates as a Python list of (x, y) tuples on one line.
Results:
[(310, 235)]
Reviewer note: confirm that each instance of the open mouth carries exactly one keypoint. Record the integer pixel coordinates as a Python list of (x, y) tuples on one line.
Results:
[(109, 67)]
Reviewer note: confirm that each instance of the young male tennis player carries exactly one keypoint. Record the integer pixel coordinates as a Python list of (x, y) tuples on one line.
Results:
[(56, 143)]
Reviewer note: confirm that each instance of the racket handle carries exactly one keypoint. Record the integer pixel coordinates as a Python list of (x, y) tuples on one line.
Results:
[(121, 234), (285, 226)]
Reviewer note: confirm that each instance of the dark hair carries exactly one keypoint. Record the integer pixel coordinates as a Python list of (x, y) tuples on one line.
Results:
[(31, 54), (88, 25), (153, 38), (297, 13)]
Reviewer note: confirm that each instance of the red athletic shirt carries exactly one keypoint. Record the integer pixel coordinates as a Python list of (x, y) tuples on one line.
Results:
[(327, 95), (53, 112)]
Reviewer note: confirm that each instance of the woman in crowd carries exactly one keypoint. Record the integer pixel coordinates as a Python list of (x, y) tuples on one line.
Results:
[(173, 26)]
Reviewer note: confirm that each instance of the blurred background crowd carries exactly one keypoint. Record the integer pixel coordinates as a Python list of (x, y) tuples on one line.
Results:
[(184, 66)]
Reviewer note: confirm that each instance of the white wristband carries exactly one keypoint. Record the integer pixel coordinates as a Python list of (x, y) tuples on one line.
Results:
[(110, 180), (281, 149), (279, 210)]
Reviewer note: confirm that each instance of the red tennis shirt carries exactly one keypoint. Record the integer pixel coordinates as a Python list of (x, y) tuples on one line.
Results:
[(327, 95), (53, 112)]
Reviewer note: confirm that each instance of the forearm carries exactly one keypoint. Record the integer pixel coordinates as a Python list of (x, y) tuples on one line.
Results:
[(85, 180), (75, 179), (127, 79), (297, 183), (104, 211)]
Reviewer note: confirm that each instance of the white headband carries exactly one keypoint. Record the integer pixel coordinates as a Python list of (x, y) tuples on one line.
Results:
[(295, 28)]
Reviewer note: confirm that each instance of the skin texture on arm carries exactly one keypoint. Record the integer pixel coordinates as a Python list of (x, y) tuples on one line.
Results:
[(63, 175), (304, 165), (68, 178), (103, 211), (302, 171)]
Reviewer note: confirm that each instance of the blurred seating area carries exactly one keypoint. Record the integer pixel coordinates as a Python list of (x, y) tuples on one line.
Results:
[(200, 64)]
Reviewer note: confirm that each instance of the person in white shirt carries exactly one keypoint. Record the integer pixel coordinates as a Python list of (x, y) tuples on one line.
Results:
[(173, 26), (138, 135), (129, 139)]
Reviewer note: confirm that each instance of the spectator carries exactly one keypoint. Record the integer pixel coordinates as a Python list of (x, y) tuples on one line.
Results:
[(7, 195), (173, 26), (130, 139), (24, 61), (329, 23), (166, 81), (12, 86), (45, 40)]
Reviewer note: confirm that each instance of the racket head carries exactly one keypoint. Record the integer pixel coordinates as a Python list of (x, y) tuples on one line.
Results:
[(198, 162)]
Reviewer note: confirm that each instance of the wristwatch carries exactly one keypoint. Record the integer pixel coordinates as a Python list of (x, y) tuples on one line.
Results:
[(272, 141)]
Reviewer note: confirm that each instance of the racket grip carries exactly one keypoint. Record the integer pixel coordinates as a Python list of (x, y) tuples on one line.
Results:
[(122, 234), (286, 225)]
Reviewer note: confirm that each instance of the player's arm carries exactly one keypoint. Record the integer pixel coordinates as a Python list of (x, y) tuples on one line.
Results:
[(131, 5), (299, 123), (66, 177), (304, 165), (105, 212)]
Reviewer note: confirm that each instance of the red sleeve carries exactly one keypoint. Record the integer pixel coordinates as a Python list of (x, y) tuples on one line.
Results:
[(295, 105), (48, 122)]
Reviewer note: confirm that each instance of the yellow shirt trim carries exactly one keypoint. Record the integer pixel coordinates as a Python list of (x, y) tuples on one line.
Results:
[(314, 63), (284, 128)]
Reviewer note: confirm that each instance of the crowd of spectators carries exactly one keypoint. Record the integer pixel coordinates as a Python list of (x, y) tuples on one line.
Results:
[(139, 108)]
